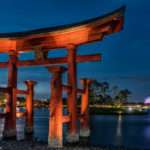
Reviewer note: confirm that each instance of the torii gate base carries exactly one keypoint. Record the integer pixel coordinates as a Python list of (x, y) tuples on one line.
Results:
[(72, 126), (56, 117), (10, 120), (28, 114), (85, 109), (29, 106)]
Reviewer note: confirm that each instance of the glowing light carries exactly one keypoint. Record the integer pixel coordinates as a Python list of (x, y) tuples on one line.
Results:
[(147, 100), (130, 108)]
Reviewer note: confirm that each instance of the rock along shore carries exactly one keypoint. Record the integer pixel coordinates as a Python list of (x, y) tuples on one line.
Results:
[(28, 145)]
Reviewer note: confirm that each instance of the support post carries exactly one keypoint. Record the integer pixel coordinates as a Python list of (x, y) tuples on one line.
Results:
[(10, 120), (29, 106), (85, 111), (72, 126), (55, 118)]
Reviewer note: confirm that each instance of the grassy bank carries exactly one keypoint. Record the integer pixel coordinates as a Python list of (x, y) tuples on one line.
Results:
[(116, 111), (98, 110)]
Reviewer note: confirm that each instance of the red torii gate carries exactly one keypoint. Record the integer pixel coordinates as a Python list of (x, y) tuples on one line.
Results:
[(40, 42)]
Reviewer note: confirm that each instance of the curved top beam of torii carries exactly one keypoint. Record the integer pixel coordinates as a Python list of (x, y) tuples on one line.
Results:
[(85, 32)]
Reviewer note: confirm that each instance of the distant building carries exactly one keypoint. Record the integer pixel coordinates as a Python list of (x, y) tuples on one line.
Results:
[(147, 100)]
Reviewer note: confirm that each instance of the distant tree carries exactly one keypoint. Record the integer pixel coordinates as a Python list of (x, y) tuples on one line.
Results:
[(2, 96), (124, 94), (104, 88), (94, 91), (108, 100), (132, 103), (37, 102), (117, 102), (140, 103), (115, 90), (100, 94), (21, 99), (100, 99)]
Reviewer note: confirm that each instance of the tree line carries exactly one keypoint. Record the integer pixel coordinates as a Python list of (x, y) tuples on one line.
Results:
[(101, 93)]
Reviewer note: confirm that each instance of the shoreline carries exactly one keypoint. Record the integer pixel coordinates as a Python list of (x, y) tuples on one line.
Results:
[(103, 110), (30, 145), (116, 111)]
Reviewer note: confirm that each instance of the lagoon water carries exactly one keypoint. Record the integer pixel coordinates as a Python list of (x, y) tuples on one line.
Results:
[(128, 131)]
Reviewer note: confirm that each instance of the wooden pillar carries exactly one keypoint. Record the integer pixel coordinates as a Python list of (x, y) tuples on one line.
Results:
[(55, 136), (10, 120), (72, 126), (85, 111), (29, 106)]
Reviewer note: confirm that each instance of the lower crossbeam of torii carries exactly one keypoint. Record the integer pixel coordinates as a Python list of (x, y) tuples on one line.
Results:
[(40, 42)]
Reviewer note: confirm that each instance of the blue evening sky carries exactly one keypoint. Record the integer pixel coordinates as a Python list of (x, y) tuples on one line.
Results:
[(125, 55)]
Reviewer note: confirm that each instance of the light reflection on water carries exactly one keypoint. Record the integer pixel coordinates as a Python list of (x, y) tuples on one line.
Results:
[(119, 125), (105, 129), (118, 135)]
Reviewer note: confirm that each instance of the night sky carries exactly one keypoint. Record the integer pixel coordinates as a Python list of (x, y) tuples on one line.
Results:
[(125, 55)]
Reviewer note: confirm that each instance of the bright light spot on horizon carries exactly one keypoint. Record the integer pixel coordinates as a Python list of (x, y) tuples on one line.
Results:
[(147, 100), (130, 108)]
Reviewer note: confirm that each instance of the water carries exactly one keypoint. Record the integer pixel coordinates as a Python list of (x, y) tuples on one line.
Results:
[(128, 131)]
